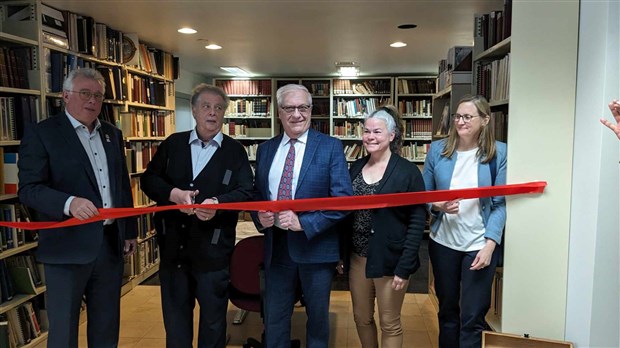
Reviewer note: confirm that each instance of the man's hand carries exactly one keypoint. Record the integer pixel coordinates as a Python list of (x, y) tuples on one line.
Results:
[(206, 214), (181, 197), (82, 208), (266, 218), (448, 207), (398, 283), (289, 220), (614, 107), (131, 245)]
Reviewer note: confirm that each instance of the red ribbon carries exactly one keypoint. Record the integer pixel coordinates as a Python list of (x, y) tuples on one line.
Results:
[(331, 203)]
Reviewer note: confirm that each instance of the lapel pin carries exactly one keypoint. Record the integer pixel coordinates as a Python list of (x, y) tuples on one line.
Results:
[(107, 138)]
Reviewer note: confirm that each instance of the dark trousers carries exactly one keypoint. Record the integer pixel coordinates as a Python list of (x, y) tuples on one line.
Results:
[(99, 282), (464, 295), (180, 288), (282, 279)]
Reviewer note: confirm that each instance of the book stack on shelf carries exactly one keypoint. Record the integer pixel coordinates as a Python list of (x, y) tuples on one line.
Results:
[(249, 115), (39, 46)]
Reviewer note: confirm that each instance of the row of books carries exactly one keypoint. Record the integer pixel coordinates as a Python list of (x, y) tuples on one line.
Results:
[(500, 122), (16, 113), (139, 197), (422, 107), (22, 324), (245, 87), (145, 257), (19, 274), (147, 90), (320, 125), (138, 154), (348, 129), (417, 128), (58, 65), (15, 62), (494, 79), (146, 227), (249, 107), (415, 151), (251, 151), (158, 62), (145, 123), (354, 151), (317, 88), (495, 26), (11, 237), (359, 106), (247, 128), (320, 107), (416, 86), (362, 87)]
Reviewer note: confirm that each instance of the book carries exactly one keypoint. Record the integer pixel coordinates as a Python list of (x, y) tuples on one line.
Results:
[(10, 172), (22, 280)]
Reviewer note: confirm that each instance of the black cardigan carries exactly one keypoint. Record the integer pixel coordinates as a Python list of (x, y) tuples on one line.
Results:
[(396, 233)]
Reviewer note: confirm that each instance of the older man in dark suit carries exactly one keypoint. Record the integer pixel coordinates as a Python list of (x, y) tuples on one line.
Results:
[(70, 165), (299, 247), (202, 166)]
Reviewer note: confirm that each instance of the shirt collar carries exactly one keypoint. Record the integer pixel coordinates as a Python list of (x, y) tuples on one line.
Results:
[(302, 138), (76, 124), (193, 138)]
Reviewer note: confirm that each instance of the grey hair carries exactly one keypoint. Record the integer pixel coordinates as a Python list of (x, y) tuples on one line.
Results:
[(292, 88), (386, 117), (206, 88), (87, 73), (390, 115)]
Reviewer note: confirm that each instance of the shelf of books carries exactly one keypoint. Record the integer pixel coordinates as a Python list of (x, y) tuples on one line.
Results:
[(414, 100), (249, 115)]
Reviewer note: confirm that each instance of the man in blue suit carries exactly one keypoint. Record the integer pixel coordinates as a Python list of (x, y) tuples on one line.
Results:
[(300, 248), (70, 165)]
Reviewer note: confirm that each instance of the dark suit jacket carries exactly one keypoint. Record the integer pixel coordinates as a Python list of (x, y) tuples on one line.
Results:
[(54, 166), (184, 240), (396, 233), (323, 174)]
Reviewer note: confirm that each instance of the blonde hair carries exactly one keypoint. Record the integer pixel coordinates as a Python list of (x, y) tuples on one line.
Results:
[(486, 138)]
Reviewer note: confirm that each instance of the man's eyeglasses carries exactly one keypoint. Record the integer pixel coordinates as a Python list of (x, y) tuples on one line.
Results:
[(466, 118), (86, 95), (303, 109)]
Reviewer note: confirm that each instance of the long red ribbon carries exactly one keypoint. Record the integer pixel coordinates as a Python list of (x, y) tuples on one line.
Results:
[(331, 203)]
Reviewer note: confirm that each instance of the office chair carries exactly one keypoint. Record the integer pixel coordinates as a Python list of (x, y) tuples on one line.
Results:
[(247, 281)]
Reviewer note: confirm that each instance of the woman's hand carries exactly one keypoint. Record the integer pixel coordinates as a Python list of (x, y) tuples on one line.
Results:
[(398, 283), (448, 207), (483, 258)]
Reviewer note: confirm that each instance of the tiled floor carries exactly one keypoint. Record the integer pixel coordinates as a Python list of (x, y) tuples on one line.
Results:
[(142, 323)]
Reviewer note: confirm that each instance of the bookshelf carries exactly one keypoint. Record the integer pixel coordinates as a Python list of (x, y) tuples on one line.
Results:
[(249, 115), (139, 99), (351, 100), (414, 100)]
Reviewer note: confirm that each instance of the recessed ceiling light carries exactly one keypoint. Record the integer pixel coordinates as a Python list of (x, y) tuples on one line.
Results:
[(407, 26), (398, 44), (213, 47), (237, 71), (187, 30)]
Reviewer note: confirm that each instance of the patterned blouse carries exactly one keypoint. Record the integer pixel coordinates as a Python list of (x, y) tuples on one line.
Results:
[(362, 219)]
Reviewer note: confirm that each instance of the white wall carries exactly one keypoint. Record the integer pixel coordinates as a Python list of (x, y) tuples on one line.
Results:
[(540, 133), (183, 88), (593, 298)]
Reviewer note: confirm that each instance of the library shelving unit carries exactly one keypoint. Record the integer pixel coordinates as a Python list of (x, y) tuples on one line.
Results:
[(491, 79), (414, 100), (139, 99), (352, 98), (249, 115)]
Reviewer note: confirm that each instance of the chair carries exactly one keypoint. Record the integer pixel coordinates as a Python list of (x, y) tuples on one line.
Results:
[(247, 281)]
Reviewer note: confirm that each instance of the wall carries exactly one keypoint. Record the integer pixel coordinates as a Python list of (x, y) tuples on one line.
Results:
[(593, 299), (183, 89), (541, 127)]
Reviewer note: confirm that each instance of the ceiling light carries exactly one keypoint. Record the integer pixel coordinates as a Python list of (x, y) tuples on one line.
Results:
[(187, 30), (407, 26), (237, 71), (398, 44), (213, 47), (348, 69)]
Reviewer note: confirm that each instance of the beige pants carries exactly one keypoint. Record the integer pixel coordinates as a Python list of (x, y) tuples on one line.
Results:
[(389, 301)]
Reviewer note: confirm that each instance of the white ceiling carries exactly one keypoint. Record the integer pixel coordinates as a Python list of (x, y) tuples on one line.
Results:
[(294, 37)]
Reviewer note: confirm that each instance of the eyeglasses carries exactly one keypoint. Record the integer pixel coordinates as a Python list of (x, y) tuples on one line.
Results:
[(303, 109), (216, 107), (86, 95), (466, 118)]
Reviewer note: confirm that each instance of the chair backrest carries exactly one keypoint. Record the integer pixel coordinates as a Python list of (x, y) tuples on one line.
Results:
[(245, 264)]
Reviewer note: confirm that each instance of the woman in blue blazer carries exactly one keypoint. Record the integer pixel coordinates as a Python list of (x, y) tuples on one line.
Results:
[(465, 233), (384, 242)]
